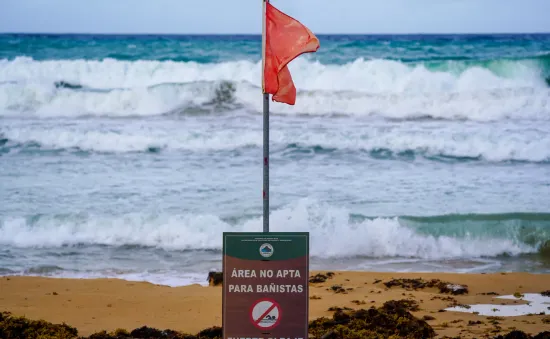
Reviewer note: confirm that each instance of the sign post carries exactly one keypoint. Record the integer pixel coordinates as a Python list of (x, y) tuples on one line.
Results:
[(266, 274), (266, 130), (265, 285)]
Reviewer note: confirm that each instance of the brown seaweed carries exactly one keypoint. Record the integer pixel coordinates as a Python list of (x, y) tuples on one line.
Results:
[(12, 327), (419, 283), (320, 277), (522, 335), (392, 320)]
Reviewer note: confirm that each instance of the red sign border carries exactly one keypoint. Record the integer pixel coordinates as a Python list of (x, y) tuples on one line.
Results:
[(278, 318)]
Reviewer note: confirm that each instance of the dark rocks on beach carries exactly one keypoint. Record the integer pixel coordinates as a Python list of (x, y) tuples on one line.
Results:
[(415, 284), (545, 293), (215, 278)]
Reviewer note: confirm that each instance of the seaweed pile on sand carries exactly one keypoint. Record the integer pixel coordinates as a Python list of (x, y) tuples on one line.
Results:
[(320, 277), (12, 327), (416, 284), (390, 321), (522, 335)]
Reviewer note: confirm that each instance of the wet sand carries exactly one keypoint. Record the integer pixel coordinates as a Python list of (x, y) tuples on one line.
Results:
[(92, 305)]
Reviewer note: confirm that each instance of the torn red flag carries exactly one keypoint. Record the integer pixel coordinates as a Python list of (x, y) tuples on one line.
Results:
[(285, 39)]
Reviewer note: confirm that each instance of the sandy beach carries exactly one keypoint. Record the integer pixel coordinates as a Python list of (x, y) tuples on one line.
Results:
[(92, 305)]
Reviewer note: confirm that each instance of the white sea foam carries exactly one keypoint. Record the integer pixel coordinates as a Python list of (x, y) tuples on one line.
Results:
[(363, 87), (531, 303), (170, 278), (380, 237), (502, 142), (372, 76)]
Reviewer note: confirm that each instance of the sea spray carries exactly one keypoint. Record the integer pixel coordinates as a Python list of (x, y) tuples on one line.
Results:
[(371, 237), (364, 87), (504, 141)]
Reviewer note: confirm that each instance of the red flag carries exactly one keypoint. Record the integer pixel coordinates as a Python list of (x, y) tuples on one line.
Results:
[(285, 39)]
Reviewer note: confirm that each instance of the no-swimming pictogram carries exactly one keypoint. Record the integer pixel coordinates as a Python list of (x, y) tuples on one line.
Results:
[(265, 314)]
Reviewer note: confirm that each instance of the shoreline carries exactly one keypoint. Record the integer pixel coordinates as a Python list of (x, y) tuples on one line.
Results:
[(180, 282), (96, 304)]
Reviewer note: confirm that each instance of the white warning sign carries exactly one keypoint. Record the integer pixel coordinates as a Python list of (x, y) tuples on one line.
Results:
[(265, 314)]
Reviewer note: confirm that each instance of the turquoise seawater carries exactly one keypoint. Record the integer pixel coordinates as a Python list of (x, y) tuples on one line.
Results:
[(128, 156)]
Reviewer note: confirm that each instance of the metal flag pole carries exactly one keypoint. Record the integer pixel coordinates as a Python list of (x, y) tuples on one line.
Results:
[(266, 126)]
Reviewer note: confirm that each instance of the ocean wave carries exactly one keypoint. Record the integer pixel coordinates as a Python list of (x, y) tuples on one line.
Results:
[(435, 141), (451, 90), (334, 233), (170, 278), (363, 75)]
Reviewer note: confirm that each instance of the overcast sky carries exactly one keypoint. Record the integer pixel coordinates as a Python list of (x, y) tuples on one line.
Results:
[(244, 16)]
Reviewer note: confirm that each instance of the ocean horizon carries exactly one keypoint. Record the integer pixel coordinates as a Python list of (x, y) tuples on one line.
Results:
[(128, 155)]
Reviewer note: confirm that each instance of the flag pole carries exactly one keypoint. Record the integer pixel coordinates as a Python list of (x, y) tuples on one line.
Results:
[(266, 128)]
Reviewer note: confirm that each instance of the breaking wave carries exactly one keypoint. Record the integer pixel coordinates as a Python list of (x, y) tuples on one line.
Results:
[(451, 89), (437, 141), (438, 237)]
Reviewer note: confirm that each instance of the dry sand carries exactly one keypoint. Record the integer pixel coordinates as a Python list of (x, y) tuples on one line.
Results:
[(107, 304)]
